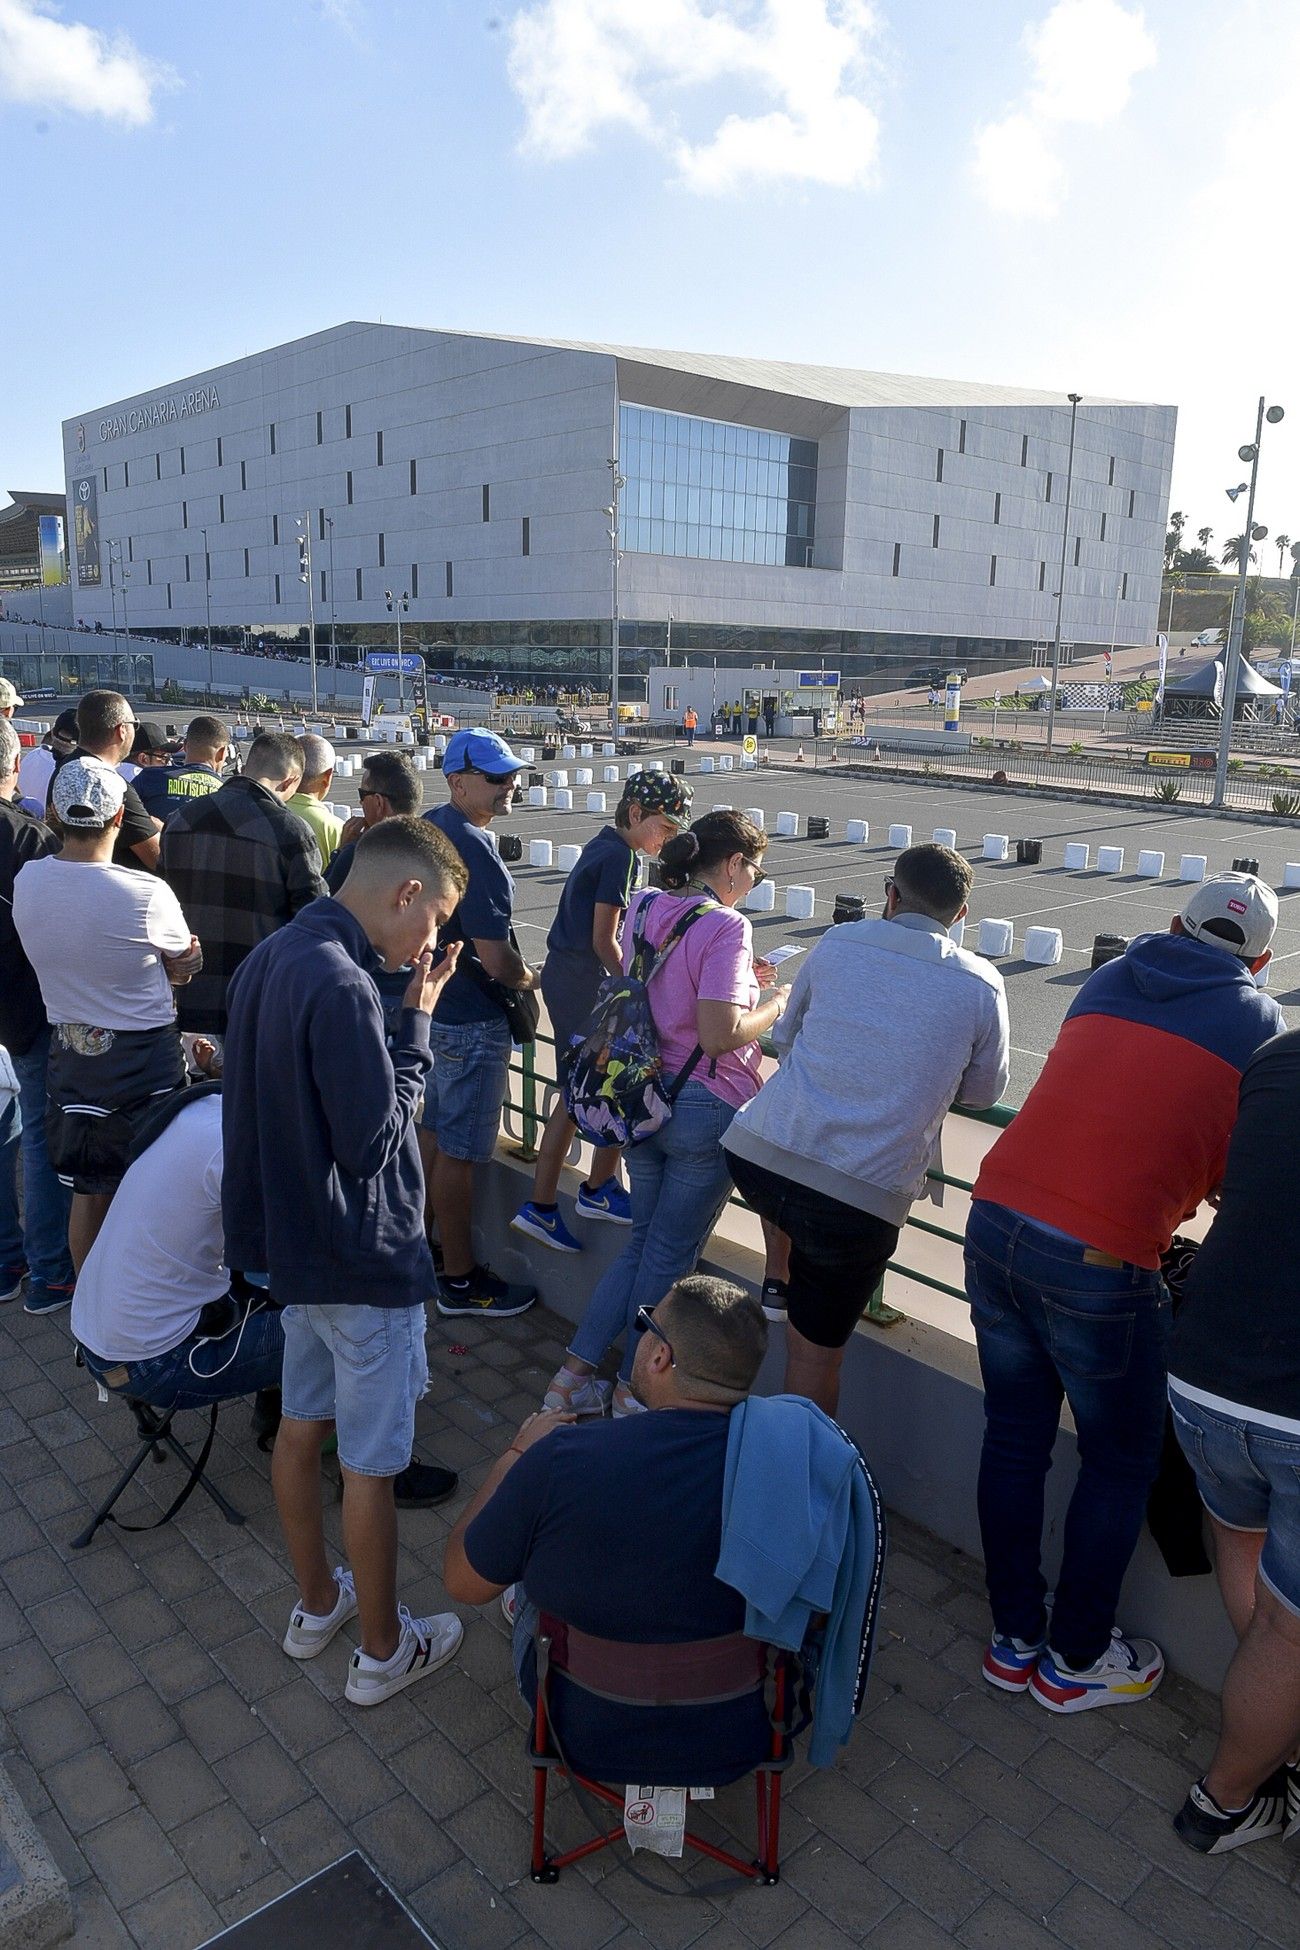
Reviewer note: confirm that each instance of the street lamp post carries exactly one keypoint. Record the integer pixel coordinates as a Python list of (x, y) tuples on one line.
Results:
[(401, 604), (207, 595), (1074, 399), (304, 576), (124, 577), (1232, 653), (334, 655), (617, 484)]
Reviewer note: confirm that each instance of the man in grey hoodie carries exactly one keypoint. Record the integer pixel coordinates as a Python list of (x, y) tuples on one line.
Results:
[(888, 1024)]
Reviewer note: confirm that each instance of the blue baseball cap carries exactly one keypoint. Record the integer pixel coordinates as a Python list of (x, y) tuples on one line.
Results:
[(481, 750)]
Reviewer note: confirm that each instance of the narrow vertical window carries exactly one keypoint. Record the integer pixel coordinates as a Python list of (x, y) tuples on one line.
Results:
[(157, 467), (130, 548), (169, 595), (1132, 498), (1110, 478), (938, 466), (415, 580), (349, 487), (126, 473), (1048, 495), (1042, 575), (185, 514), (207, 566), (187, 568), (148, 570), (526, 537), (277, 589), (934, 538), (1024, 450), (243, 475), (450, 588), (273, 450), (322, 585), (379, 450), (320, 428), (106, 480), (997, 509), (1078, 549), (275, 531), (898, 556), (993, 570), (247, 565), (487, 502), (382, 563), (414, 482), (961, 438), (1123, 587), (220, 451), (320, 515), (347, 423), (182, 460), (1103, 528), (221, 507), (358, 585)]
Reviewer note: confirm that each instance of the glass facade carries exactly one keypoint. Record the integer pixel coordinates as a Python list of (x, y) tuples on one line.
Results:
[(720, 492)]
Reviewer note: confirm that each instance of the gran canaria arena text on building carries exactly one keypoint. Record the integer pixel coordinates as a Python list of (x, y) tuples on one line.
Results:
[(868, 523)]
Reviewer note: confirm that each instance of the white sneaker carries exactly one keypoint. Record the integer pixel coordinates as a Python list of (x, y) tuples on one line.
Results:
[(307, 1634), (625, 1403), (425, 1644), (1128, 1670), (580, 1395)]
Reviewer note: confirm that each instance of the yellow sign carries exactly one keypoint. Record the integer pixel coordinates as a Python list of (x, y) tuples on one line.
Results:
[(1169, 761), (749, 746), (1145, 704)]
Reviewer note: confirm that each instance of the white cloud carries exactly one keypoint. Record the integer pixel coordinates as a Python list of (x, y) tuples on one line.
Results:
[(1083, 58), (580, 66), (51, 63)]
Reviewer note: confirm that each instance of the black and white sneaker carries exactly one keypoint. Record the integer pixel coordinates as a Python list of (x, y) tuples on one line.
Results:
[(775, 1298), (1292, 1773), (483, 1292), (425, 1644), (1213, 1830)]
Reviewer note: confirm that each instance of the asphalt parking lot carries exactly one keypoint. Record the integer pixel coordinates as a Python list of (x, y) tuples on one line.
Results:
[(1080, 904)]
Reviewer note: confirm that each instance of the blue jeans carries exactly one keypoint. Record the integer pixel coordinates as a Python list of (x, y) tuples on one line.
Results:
[(1053, 1322), (467, 1086), (1248, 1475), (679, 1183), (41, 1235), (222, 1370)]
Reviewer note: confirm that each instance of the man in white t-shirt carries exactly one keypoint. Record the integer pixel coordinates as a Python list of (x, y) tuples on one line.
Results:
[(108, 945)]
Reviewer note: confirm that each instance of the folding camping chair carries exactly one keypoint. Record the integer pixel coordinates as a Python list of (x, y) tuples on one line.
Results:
[(153, 1429)]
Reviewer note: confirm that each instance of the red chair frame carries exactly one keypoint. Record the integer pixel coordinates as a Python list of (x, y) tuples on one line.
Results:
[(765, 1869)]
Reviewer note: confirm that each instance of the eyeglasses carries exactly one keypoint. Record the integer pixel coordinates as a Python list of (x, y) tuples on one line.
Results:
[(889, 883), (759, 873), (645, 1323), (371, 792)]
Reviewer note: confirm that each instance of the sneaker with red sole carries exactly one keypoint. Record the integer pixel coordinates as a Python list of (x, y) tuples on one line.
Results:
[(1127, 1671), (1010, 1663)]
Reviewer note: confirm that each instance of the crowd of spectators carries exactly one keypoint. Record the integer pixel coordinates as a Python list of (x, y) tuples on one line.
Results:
[(252, 1068)]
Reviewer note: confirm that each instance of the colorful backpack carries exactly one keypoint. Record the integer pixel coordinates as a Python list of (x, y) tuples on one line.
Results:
[(616, 1091)]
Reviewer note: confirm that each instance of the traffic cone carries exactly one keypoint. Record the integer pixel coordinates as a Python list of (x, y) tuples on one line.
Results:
[(799, 757), (835, 756)]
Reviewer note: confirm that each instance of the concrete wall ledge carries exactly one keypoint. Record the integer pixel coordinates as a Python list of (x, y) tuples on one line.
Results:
[(35, 1907), (910, 1397)]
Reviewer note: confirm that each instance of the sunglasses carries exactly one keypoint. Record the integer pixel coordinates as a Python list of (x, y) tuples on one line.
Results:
[(645, 1323), (371, 792), (759, 873)]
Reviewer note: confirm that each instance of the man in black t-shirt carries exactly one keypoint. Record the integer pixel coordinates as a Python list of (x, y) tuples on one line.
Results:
[(1234, 1387), (558, 1518), (106, 728)]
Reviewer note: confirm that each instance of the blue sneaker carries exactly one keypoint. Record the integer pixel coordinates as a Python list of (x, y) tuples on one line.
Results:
[(611, 1201), (1010, 1663), (47, 1297), (12, 1275), (548, 1228)]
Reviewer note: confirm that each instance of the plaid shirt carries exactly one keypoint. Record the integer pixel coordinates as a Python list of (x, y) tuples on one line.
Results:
[(241, 865)]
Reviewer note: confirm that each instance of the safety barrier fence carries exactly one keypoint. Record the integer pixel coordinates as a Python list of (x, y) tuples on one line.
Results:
[(534, 1092)]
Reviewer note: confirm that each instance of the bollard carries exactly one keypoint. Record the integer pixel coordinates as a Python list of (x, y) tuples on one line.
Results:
[(900, 836), (1077, 855), (762, 899), (568, 751), (596, 802), (1029, 853), (539, 853), (526, 752), (1151, 865), (563, 800), (1107, 947), (609, 773), (857, 831), (755, 813), (678, 766), (706, 764), (1291, 874), (945, 836), (557, 778), (584, 751), (996, 846), (787, 825), (1110, 859), (1043, 946), (510, 846), (1192, 866), (720, 805), (1246, 865), (818, 827), (536, 778), (996, 937), (726, 762), (800, 903), (537, 795), (567, 858), (583, 775), (848, 907), (609, 749), (421, 763)]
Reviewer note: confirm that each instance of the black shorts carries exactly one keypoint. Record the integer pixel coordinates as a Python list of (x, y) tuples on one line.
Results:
[(99, 1084), (838, 1254)]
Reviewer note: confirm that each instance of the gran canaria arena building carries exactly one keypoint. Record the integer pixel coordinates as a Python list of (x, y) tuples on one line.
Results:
[(862, 522)]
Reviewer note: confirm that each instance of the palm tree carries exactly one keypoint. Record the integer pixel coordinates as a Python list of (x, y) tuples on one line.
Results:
[(1282, 544), (1232, 551), (1204, 536), (1174, 539)]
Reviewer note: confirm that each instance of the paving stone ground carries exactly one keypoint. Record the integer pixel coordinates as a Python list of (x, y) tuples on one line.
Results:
[(184, 1772)]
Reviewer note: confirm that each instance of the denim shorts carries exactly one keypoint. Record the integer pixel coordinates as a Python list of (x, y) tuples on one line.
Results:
[(466, 1088), (1249, 1479), (363, 1368)]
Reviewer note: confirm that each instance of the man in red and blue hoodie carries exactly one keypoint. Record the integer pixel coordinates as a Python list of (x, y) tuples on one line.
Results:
[(1122, 1137)]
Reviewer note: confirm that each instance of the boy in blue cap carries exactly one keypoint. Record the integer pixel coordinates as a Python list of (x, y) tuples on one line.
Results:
[(469, 1035)]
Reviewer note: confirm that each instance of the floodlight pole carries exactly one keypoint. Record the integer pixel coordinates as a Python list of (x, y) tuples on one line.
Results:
[(1074, 399), (1232, 653)]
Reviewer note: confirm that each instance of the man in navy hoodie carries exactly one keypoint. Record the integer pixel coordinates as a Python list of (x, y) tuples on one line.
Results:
[(322, 1189)]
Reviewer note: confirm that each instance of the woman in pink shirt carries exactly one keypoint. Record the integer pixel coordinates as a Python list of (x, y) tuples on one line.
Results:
[(711, 1002)]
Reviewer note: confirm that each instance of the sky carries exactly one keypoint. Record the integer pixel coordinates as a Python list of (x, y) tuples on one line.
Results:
[(1088, 195)]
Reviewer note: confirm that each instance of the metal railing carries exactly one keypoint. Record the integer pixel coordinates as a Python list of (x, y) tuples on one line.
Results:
[(538, 1094)]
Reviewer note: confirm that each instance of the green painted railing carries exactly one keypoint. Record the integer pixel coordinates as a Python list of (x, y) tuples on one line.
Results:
[(537, 1093)]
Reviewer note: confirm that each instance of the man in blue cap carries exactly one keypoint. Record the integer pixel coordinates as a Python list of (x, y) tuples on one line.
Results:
[(470, 1036)]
